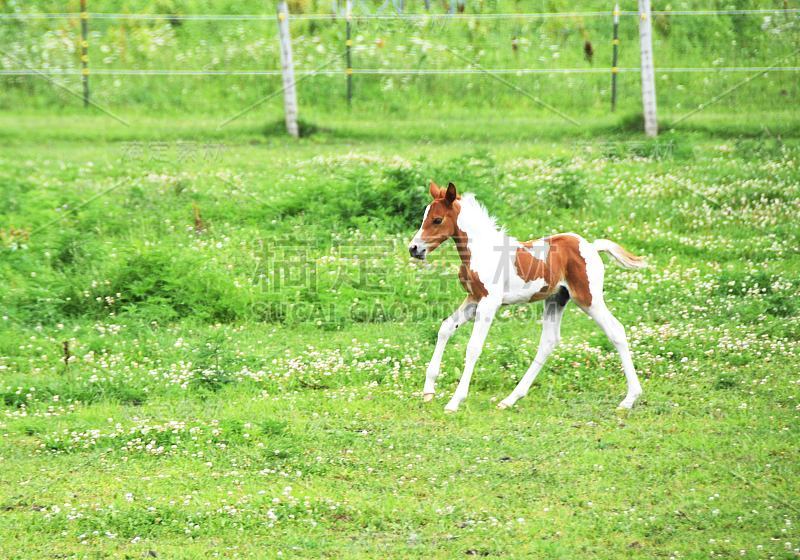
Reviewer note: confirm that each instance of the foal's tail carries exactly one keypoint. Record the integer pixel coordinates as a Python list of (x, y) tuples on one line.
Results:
[(623, 257)]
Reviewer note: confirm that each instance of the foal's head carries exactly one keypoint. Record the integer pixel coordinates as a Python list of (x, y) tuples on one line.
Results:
[(438, 222)]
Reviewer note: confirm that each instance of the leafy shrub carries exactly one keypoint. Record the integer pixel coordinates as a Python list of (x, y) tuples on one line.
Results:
[(390, 197), (566, 188), (157, 284)]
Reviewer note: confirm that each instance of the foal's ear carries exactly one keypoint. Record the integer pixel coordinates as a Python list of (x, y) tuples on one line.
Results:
[(436, 191), (451, 194)]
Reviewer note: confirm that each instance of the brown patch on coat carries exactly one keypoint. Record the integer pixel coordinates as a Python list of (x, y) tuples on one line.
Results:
[(530, 268), (575, 270), (469, 278), (471, 283), (563, 262)]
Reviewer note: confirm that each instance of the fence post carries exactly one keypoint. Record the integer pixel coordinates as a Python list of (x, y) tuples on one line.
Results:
[(85, 52), (614, 58), (647, 70), (347, 46), (287, 71)]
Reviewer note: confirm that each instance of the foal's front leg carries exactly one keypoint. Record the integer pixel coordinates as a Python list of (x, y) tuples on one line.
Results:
[(484, 315), (464, 313)]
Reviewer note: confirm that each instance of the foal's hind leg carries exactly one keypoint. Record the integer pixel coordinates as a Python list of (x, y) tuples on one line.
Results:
[(616, 334), (551, 334)]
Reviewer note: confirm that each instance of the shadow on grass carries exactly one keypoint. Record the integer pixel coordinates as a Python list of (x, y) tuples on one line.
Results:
[(371, 127)]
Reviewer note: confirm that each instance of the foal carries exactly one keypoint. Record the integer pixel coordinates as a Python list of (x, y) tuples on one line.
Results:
[(496, 270)]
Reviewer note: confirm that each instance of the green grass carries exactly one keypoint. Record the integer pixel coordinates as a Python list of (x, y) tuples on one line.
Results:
[(248, 383)]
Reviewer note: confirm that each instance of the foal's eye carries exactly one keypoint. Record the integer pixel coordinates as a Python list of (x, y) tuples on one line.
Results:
[(437, 221)]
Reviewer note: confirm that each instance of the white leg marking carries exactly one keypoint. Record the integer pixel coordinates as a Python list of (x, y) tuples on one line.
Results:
[(551, 335), (464, 313), (616, 334), (484, 315)]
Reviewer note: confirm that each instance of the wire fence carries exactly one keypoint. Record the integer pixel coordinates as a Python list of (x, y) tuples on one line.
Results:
[(387, 71), (402, 59)]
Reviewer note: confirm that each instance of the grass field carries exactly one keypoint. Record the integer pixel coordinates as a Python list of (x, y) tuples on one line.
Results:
[(216, 347)]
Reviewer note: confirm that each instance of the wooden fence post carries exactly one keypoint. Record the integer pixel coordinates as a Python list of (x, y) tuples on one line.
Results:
[(287, 70), (614, 59), (85, 52), (647, 70), (347, 55)]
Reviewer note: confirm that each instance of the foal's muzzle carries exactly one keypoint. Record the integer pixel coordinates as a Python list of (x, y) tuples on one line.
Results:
[(417, 251)]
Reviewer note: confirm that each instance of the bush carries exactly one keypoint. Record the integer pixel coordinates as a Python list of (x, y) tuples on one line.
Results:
[(390, 197), (157, 284), (566, 189)]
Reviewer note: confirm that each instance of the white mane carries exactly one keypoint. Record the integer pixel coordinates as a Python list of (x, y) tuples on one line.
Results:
[(476, 221)]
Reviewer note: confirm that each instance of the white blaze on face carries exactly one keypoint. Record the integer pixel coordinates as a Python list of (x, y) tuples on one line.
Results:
[(417, 239)]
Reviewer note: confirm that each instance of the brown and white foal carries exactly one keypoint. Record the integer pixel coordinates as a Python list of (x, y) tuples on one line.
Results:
[(496, 270)]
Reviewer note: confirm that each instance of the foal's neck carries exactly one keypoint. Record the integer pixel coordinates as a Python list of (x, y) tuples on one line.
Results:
[(478, 235)]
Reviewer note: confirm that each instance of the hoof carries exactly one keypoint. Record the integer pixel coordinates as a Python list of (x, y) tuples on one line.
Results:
[(450, 408), (427, 397), (508, 402), (628, 402)]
